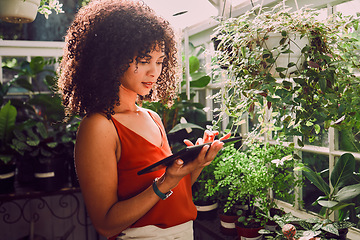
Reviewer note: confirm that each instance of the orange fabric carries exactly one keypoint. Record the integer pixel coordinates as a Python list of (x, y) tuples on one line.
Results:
[(137, 153)]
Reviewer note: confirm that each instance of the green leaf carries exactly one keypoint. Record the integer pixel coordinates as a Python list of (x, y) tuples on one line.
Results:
[(347, 193), (52, 144), (300, 143), (7, 121), (331, 229), (291, 64), (194, 64), (37, 64), (322, 83), (42, 130), (182, 126), (200, 83), (280, 69), (23, 82), (343, 170), (317, 180), (317, 128), (341, 205), (327, 204), (33, 143), (282, 41)]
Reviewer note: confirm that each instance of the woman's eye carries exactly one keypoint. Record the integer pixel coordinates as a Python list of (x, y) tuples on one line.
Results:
[(160, 63), (144, 61)]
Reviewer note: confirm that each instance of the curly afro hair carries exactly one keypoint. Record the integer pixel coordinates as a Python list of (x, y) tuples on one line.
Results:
[(103, 39)]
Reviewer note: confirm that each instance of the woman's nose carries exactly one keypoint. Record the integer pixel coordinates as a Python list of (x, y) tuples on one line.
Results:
[(154, 69)]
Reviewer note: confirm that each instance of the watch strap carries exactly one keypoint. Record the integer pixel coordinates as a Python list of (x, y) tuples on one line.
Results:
[(163, 196)]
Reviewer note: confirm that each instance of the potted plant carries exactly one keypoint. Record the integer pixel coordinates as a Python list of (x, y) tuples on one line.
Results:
[(245, 176), (320, 92), (224, 185), (339, 192), (206, 205), (24, 11), (49, 151), (250, 222), (42, 139), (7, 154)]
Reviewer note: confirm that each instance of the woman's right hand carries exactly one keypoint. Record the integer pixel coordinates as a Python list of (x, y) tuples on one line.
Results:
[(178, 169)]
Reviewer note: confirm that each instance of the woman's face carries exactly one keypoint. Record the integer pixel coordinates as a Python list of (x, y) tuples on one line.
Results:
[(142, 75)]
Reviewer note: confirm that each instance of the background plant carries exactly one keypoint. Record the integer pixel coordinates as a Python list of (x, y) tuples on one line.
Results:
[(320, 92), (246, 176), (343, 187)]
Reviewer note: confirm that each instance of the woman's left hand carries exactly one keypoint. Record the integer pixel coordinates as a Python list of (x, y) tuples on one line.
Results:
[(209, 136), (178, 169)]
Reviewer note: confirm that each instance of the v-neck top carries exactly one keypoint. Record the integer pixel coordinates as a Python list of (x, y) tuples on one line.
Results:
[(138, 153)]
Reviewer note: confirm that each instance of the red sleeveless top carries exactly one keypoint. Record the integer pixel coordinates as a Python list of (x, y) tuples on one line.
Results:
[(138, 153)]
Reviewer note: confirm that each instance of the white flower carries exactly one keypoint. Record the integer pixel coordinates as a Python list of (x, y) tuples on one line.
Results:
[(46, 9)]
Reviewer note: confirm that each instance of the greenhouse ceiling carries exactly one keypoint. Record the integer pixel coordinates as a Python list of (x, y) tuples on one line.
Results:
[(186, 13)]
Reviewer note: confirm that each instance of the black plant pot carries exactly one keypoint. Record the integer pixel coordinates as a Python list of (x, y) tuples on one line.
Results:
[(206, 210), (7, 178), (50, 174), (342, 234), (25, 171)]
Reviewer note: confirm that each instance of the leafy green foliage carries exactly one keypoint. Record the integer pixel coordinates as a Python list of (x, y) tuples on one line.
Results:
[(313, 87), (40, 131), (342, 189), (7, 124), (246, 176)]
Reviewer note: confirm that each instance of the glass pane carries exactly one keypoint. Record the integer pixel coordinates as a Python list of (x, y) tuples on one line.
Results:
[(318, 163), (9, 74), (349, 140), (38, 82), (349, 8), (202, 96)]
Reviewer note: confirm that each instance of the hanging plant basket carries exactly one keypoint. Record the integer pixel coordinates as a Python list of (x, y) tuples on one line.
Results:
[(18, 11)]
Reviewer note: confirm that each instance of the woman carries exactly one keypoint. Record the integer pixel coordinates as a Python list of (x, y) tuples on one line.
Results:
[(118, 53)]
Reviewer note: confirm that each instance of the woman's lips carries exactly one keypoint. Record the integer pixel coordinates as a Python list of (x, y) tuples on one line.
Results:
[(148, 84)]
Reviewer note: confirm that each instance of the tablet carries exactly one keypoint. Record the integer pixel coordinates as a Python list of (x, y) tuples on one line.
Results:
[(187, 154)]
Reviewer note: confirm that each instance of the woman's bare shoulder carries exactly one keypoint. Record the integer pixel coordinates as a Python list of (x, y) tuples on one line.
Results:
[(96, 127)]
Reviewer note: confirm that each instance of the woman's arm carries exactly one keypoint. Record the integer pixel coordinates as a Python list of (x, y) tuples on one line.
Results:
[(96, 153)]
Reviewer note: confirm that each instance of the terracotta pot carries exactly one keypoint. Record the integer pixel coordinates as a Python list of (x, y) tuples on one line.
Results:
[(248, 233), (18, 11), (227, 224)]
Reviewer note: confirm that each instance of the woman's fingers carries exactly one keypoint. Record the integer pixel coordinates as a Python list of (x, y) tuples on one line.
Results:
[(226, 136), (188, 142), (209, 136)]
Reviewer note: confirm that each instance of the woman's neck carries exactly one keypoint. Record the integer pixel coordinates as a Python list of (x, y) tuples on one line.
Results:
[(127, 101)]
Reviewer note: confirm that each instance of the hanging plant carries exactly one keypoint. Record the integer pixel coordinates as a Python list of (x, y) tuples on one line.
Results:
[(25, 11), (314, 86)]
